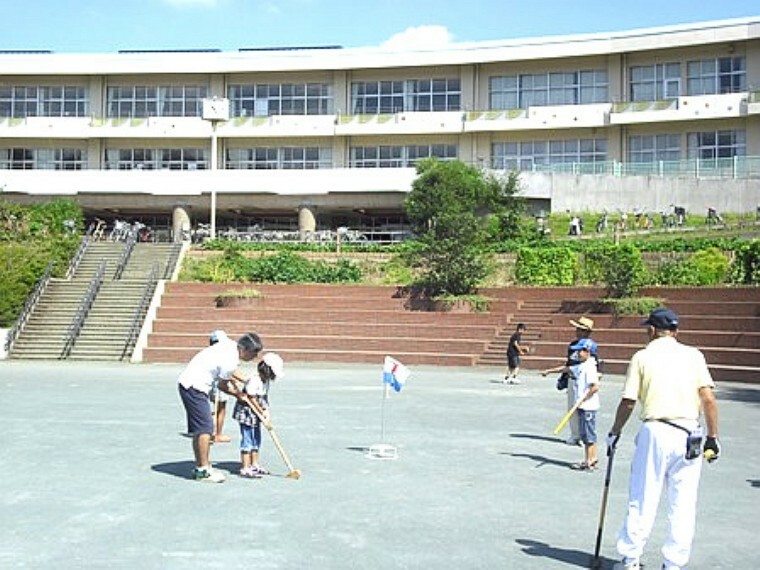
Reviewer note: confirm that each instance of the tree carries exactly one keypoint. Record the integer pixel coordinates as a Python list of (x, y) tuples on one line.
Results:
[(452, 207)]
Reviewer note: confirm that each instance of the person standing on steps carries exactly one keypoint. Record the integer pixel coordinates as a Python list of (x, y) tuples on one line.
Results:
[(584, 327), (515, 349), (672, 383)]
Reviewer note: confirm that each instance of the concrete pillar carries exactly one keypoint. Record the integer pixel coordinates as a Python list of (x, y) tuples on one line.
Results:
[(180, 223), (307, 221)]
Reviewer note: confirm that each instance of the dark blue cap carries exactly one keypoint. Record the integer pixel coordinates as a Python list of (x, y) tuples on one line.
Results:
[(662, 318)]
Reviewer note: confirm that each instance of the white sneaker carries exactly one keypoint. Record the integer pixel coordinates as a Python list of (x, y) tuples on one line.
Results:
[(208, 475), (623, 565), (514, 381)]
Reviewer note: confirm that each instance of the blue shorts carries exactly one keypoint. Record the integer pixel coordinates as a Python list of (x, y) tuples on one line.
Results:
[(198, 411), (587, 426), (250, 437)]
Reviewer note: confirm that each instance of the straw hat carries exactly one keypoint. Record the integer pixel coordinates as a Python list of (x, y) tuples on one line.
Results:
[(583, 323)]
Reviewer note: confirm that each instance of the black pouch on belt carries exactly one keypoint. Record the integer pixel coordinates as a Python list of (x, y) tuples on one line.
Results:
[(694, 439)]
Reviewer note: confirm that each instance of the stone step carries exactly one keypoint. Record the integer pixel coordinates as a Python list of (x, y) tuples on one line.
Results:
[(236, 328)]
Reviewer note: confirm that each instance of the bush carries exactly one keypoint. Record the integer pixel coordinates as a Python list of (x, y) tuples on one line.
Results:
[(745, 269), (547, 266), (619, 267), (286, 267), (710, 266)]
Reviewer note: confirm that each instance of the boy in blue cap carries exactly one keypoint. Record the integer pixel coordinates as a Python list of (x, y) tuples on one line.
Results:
[(585, 380)]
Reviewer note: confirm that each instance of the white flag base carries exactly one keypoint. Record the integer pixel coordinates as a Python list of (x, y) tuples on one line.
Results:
[(382, 451)]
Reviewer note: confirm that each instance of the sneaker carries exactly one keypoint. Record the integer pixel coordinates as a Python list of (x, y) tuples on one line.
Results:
[(260, 470), (573, 441), (630, 565), (250, 473), (208, 475), (514, 380)]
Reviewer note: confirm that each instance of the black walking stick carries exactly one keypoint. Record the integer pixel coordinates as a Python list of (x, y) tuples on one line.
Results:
[(596, 562)]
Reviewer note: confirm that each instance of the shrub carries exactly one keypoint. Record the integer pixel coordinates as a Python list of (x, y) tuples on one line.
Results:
[(547, 266), (710, 266), (619, 267), (745, 269)]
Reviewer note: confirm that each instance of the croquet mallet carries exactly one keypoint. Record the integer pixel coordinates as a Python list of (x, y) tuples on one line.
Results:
[(596, 562), (293, 473)]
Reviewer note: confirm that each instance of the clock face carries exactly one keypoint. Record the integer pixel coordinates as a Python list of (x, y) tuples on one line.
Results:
[(216, 109)]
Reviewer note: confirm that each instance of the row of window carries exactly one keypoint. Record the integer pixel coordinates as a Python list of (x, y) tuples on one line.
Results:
[(646, 83), (524, 155)]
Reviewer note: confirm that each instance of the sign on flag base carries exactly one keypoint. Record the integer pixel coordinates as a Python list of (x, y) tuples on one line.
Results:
[(382, 451), (394, 375)]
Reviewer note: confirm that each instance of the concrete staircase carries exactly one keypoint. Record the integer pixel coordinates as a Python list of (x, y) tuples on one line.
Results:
[(110, 319)]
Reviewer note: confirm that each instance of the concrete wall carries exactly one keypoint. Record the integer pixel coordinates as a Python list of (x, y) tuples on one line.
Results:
[(579, 193)]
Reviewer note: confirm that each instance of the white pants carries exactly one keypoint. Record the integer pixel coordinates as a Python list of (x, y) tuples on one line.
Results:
[(575, 430), (658, 462)]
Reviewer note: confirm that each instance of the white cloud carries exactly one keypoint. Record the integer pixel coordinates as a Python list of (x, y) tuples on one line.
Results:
[(186, 3), (420, 37)]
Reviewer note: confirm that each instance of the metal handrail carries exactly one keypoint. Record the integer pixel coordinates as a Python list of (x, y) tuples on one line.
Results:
[(83, 310), (125, 253), (137, 318), (29, 304), (78, 256), (171, 262)]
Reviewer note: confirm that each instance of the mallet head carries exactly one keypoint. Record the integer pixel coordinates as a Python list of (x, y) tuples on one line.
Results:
[(295, 474)]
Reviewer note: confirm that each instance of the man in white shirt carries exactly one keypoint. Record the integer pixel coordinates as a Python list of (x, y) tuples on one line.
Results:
[(219, 361)]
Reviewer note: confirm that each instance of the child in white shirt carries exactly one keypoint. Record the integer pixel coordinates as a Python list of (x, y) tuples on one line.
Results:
[(585, 380)]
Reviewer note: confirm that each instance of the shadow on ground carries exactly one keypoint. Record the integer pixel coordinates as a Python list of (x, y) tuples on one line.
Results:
[(570, 557)]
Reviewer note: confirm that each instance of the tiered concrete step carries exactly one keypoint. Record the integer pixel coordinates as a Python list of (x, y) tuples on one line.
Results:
[(723, 323), (321, 323)]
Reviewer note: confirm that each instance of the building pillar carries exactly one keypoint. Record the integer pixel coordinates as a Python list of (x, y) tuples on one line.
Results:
[(307, 221), (180, 224)]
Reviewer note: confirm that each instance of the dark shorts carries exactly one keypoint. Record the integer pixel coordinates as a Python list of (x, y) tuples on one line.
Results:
[(198, 411), (513, 360)]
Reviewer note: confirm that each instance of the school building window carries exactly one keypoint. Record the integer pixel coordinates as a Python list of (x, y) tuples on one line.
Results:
[(135, 101), (43, 159), (655, 82), (263, 100), (393, 156), (653, 148), (716, 76), (541, 89), (45, 101), (717, 144), (156, 159), (285, 158), (414, 95), (527, 155)]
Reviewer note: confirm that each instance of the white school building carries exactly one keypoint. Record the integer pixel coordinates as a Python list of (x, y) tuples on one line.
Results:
[(317, 138)]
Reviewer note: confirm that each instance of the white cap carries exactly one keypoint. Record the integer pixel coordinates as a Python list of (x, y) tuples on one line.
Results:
[(275, 362), (216, 336)]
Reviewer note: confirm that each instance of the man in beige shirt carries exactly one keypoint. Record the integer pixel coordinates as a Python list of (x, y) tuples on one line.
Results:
[(672, 383)]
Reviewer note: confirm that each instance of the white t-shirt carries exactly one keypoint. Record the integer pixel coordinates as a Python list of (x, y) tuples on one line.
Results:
[(584, 376), (212, 363)]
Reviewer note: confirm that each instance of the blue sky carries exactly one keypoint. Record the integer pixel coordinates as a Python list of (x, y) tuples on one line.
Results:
[(106, 26)]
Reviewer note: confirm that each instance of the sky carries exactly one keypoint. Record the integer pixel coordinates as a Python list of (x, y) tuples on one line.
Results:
[(107, 26)]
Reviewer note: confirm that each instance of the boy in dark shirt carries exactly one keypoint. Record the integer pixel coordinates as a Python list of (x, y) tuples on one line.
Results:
[(515, 349)]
